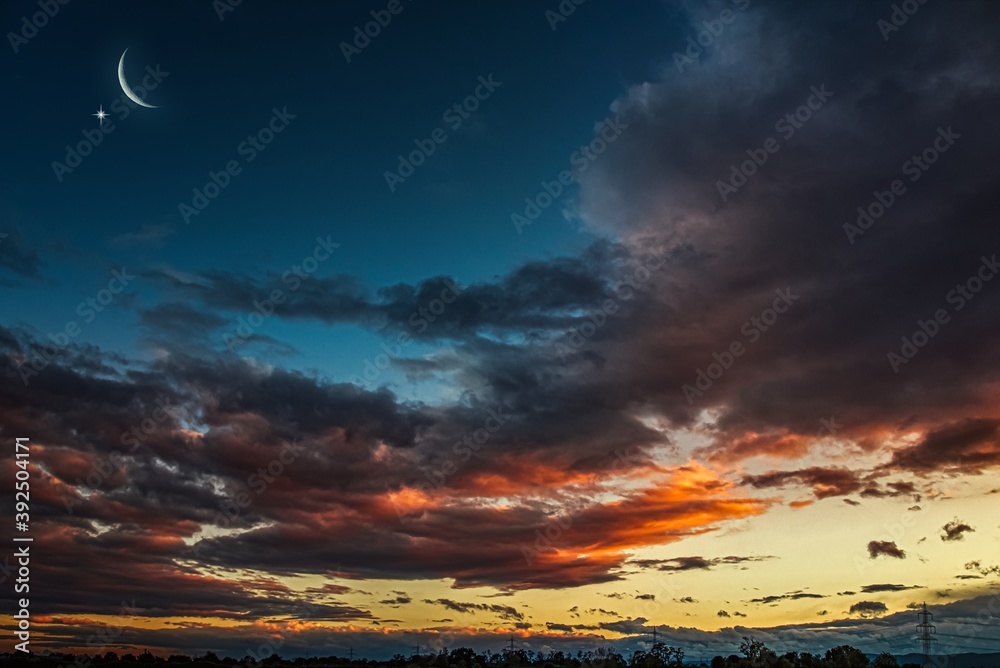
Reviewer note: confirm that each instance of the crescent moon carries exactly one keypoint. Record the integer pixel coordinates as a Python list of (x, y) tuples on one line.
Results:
[(128, 89)]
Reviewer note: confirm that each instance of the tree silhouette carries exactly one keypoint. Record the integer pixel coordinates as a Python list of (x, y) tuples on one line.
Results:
[(757, 653), (885, 660), (846, 656)]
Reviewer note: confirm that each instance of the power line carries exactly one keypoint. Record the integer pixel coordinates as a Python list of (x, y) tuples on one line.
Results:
[(953, 645), (887, 639), (953, 635)]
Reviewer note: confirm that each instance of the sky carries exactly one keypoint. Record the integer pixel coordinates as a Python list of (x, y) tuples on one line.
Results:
[(553, 321)]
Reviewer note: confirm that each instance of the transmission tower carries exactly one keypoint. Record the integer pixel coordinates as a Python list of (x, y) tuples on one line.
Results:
[(925, 633)]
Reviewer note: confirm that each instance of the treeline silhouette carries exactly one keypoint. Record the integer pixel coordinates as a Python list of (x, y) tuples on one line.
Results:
[(753, 654)]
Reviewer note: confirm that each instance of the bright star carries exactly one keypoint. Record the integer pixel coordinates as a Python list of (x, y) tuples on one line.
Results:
[(101, 114)]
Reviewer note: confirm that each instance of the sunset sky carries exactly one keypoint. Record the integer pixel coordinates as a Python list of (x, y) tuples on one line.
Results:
[(565, 321)]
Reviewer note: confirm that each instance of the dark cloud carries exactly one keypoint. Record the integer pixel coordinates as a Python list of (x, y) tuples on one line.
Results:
[(886, 548), (978, 567), (396, 601), (825, 482), (627, 626), (227, 418), (539, 295), (695, 563), (657, 187), (900, 488), (955, 530), (503, 611), (878, 588), (9, 341), (330, 589), (610, 613), (17, 258), (182, 325), (894, 489), (565, 628), (791, 596), (966, 446), (869, 609)]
